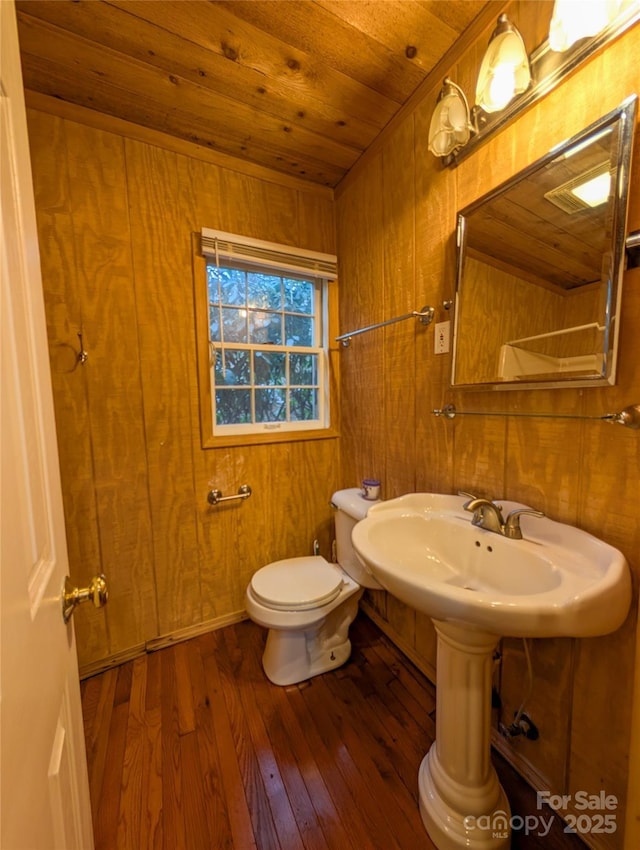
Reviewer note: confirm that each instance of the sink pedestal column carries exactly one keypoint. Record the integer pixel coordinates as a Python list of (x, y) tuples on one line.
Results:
[(462, 802)]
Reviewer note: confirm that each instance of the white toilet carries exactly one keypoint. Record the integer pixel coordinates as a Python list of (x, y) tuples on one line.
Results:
[(308, 603)]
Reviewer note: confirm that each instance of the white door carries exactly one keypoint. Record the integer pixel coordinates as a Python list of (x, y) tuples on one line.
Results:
[(43, 773)]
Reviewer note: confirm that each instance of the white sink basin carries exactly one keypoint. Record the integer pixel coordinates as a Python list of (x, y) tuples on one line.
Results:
[(557, 581)]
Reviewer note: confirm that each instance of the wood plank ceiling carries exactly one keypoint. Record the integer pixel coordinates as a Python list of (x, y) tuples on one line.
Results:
[(301, 86)]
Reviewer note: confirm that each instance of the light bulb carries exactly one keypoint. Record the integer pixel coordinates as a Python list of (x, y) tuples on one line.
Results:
[(504, 71), (572, 21), (501, 87)]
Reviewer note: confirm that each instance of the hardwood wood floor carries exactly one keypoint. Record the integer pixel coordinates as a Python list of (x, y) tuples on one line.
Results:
[(191, 747)]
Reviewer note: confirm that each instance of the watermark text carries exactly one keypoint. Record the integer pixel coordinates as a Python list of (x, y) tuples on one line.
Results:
[(582, 812)]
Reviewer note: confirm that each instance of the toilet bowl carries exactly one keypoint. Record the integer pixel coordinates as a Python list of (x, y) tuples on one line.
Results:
[(307, 604)]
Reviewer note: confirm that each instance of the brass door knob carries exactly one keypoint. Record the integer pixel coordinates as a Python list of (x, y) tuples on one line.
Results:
[(97, 592)]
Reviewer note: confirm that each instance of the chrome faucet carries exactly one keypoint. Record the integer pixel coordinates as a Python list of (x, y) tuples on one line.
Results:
[(488, 515)]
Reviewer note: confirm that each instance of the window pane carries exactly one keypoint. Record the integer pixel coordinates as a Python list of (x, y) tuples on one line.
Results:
[(233, 286), (234, 325), (298, 330), (271, 405), (265, 291), (265, 327), (303, 369), (233, 407), (298, 296), (232, 367), (304, 404), (214, 323), (270, 368), (213, 283)]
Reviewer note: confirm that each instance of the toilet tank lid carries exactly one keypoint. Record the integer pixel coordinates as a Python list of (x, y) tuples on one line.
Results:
[(352, 502)]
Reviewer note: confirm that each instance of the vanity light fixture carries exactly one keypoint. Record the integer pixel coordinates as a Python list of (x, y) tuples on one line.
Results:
[(451, 125), (538, 75), (505, 70)]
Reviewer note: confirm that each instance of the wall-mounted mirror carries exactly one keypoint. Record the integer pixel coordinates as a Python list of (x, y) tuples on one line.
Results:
[(540, 263)]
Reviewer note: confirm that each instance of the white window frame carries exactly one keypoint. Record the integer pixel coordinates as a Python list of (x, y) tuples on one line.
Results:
[(228, 250)]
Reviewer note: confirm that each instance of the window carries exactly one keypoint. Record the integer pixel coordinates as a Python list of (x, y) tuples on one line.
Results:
[(267, 337)]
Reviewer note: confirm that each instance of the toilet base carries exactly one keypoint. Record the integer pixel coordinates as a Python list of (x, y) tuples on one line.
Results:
[(286, 660), (292, 656)]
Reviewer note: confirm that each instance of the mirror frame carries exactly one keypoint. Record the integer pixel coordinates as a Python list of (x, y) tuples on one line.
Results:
[(625, 115)]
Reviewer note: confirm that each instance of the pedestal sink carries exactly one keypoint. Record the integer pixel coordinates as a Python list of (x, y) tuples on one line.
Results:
[(478, 586)]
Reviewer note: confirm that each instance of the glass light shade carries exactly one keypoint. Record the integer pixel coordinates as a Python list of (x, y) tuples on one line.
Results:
[(505, 70), (450, 126), (572, 21)]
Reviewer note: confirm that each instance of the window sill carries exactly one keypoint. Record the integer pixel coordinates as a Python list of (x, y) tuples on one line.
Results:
[(264, 439)]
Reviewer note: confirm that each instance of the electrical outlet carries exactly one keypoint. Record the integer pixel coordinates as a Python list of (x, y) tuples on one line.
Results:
[(442, 338)]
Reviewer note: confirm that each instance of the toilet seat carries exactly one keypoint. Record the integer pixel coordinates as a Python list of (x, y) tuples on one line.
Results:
[(297, 584)]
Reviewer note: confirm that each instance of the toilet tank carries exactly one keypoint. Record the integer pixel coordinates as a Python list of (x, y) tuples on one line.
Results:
[(351, 507)]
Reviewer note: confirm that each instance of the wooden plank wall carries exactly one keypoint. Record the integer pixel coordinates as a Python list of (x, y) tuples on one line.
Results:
[(396, 215), (116, 218)]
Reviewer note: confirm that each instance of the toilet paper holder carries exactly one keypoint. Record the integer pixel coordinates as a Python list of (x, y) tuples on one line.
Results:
[(215, 496)]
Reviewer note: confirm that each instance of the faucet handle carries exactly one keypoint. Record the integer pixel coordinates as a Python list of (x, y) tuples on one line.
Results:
[(477, 504), (473, 497), (467, 495), (512, 528)]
